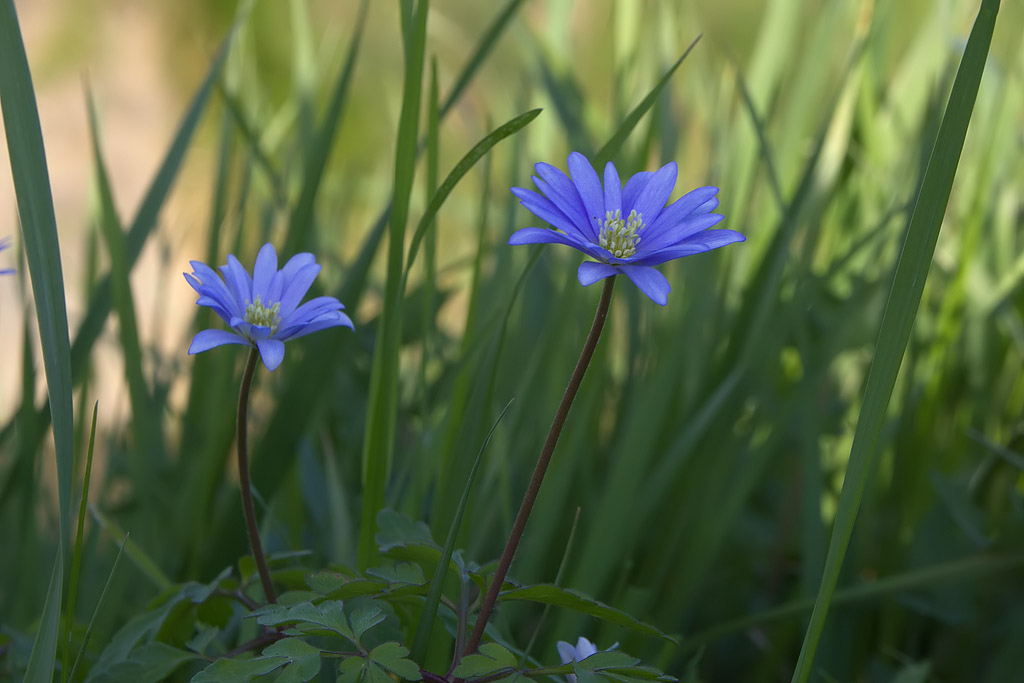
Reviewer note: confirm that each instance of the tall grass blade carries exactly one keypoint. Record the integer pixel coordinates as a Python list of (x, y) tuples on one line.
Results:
[(42, 251), (378, 440), (300, 224), (901, 308), (481, 148), (429, 615), (76, 560)]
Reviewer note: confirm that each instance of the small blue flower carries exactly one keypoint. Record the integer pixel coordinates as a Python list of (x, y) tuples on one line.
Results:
[(4, 243), (263, 311), (583, 649), (626, 230)]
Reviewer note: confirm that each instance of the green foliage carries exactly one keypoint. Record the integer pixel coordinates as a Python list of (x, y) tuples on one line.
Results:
[(826, 420)]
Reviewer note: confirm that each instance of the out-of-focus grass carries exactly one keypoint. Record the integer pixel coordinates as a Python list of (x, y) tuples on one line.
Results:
[(708, 445)]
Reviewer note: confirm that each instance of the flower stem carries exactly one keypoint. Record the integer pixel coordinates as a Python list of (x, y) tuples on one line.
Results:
[(243, 477), (542, 465)]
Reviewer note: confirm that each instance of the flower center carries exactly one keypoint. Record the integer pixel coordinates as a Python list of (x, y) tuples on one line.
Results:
[(619, 236), (264, 316)]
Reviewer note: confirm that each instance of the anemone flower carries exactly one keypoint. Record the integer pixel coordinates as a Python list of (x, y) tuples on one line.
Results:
[(583, 649), (4, 243), (263, 310), (625, 229)]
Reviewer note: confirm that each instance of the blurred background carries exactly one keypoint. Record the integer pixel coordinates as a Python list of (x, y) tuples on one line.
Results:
[(707, 449)]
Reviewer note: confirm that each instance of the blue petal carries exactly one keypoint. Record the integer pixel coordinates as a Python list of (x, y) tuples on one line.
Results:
[(335, 319), (271, 351), (542, 207), (634, 186), (652, 198), (297, 287), (674, 234), (309, 311), (542, 236), (584, 177), (612, 189), (238, 280), (701, 242), (650, 282), (211, 283), (561, 191), (297, 263), (590, 272), (693, 202), (263, 271), (208, 339)]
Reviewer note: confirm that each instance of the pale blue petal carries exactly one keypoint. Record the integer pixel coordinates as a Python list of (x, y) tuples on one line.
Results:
[(650, 282), (208, 339), (590, 272), (271, 351)]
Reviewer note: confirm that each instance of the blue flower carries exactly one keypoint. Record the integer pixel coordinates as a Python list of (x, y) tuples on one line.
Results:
[(4, 243), (583, 649), (263, 311), (626, 230)]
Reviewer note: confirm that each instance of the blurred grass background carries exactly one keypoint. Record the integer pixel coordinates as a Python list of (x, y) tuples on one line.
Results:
[(707, 448)]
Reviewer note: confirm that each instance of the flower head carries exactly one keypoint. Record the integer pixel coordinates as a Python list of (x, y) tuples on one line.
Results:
[(583, 649), (625, 229), (263, 311), (4, 243)]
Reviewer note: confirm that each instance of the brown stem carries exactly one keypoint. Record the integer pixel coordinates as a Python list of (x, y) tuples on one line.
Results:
[(243, 478), (542, 465)]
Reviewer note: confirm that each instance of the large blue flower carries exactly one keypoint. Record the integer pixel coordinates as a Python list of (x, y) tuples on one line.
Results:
[(4, 243), (263, 311), (627, 229)]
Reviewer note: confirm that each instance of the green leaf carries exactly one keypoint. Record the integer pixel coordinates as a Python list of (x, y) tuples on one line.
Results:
[(394, 657), (303, 659), (898, 318), (490, 659), (550, 594), (365, 618), (617, 667), (351, 670), (307, 617), (153, 661), (397, 529), (238, 670)]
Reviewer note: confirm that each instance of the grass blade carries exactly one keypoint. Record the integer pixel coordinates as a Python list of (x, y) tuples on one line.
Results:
[(481, 148), (611, 148), (427, 619), (378, 441), (76, 560), (900, 310)]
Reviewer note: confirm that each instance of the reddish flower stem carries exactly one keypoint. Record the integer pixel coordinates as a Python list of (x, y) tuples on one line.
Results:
[(243, 477), (519, 526)]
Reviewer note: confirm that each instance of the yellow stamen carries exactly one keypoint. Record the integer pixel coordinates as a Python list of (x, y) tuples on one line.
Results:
[(620, 237), (264, 316)]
